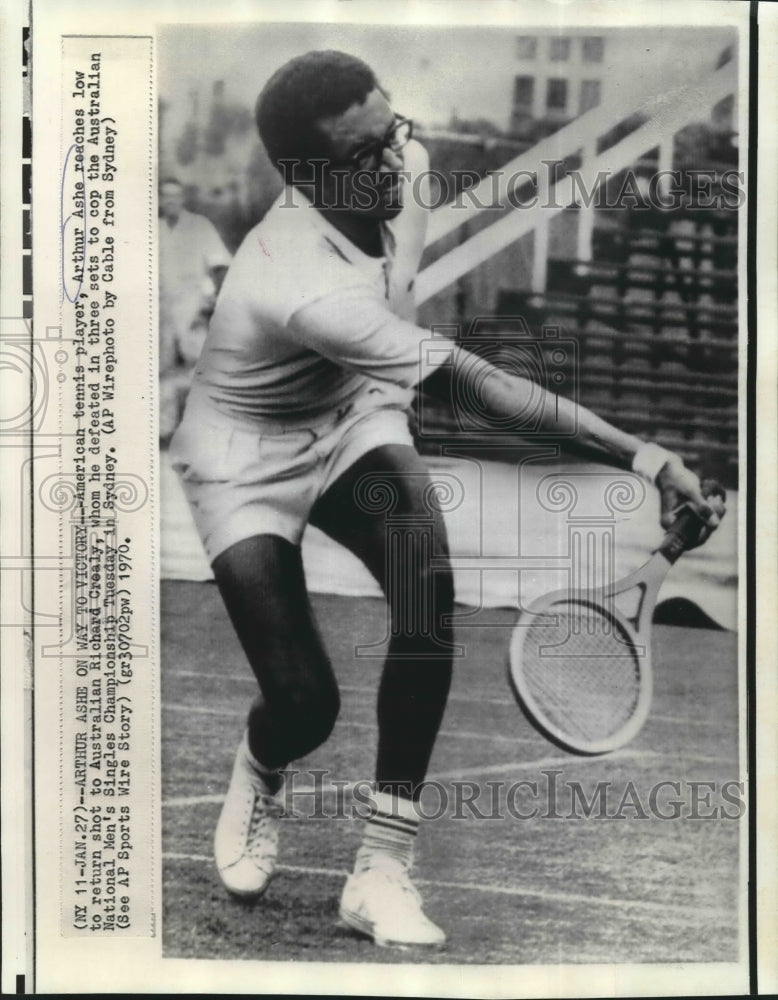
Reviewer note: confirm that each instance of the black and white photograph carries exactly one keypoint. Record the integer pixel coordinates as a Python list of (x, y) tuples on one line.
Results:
[(388, 550), (449, 330)]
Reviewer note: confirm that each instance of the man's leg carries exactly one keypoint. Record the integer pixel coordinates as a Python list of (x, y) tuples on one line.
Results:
[(262, 584), (397, 542)]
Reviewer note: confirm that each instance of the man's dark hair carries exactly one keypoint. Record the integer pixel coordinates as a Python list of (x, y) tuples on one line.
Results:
[(303, 91)]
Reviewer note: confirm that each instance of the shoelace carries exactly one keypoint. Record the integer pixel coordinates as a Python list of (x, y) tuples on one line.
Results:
[(262, 842)]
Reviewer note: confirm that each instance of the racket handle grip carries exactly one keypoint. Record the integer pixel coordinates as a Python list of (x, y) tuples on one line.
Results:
[(682, 535)]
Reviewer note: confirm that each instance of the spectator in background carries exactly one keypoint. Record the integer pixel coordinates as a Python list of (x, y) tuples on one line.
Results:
[(193, 262), (225, 210)]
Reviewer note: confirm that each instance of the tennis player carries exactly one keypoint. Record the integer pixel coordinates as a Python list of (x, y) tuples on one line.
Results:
[(299, 404)]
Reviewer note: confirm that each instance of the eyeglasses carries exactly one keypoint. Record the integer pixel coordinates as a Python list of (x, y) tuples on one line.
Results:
[(371, 156)]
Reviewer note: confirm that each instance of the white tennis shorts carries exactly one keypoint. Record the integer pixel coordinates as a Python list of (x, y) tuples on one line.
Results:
[(243, 480)]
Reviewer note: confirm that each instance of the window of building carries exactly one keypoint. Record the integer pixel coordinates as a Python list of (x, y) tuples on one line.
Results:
[(556, 95), (590, 94), (523, 90), (559, 49), (593, 49), (526, 46)]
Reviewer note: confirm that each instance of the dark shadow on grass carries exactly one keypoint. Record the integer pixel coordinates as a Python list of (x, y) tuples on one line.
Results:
[(682, 611)]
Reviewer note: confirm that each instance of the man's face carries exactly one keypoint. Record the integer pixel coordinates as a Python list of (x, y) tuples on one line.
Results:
[(373, 193), (171, 201)]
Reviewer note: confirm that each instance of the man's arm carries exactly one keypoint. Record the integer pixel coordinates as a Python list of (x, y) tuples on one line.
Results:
[(357, 331), (507, 395), (583, 432)]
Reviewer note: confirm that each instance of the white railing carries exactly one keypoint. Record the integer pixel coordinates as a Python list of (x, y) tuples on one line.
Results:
[(666, 116)]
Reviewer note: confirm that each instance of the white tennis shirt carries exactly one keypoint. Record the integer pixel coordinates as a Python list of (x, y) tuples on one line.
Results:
[(305, 319)]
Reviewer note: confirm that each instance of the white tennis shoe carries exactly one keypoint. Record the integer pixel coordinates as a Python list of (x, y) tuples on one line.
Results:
[(383, 903), (246, 838)]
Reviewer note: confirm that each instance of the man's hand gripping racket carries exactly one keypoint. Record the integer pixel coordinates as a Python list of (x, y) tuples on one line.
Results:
[(580, 667)]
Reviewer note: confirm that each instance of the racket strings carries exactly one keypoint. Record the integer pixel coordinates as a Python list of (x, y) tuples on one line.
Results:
[(581, 670)]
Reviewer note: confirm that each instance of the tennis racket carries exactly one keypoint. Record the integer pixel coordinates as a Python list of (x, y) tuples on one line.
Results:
[(581, 669)]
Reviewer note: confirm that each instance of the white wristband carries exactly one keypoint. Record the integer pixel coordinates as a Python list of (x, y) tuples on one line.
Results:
[(649, 459)]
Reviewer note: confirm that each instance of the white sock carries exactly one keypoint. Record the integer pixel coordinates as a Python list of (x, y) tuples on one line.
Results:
[(389, 832)]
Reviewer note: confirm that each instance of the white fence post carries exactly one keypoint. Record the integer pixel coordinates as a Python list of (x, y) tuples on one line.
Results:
[(540, 255), (666, 147), (586, 212), (540, 236)]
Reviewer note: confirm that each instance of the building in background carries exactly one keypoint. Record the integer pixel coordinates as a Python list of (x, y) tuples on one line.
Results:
[(558, 77)]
